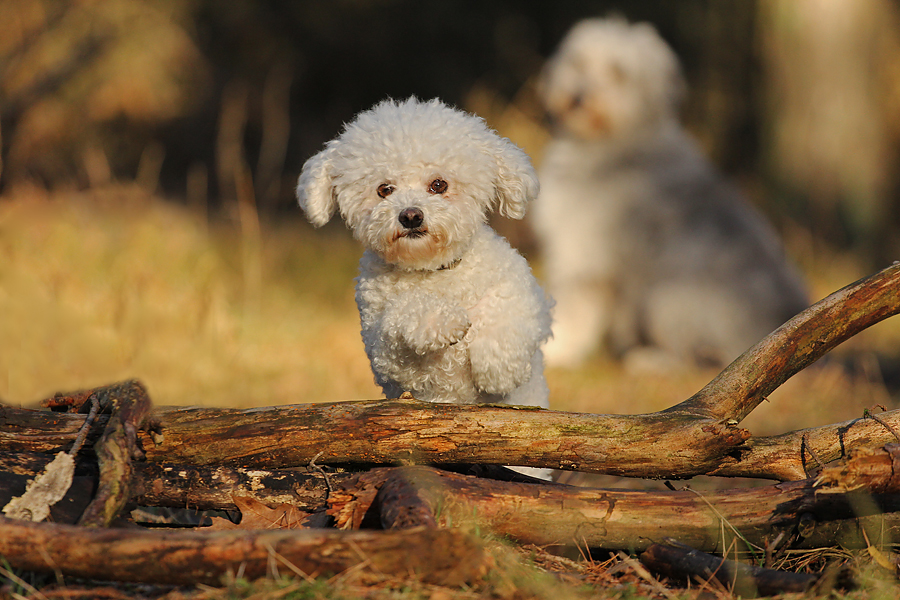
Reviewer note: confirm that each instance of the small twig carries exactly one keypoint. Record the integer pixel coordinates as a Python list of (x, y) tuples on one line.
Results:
[(320, 470), (771, 548), (297, 571), (869, 415), (88, 421)]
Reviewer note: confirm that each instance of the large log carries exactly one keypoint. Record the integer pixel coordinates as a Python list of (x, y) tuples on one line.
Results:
[(390, 432), (276, 438)]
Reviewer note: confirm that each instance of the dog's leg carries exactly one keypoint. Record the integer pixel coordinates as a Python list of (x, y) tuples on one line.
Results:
[(426, 323), (508, 327)]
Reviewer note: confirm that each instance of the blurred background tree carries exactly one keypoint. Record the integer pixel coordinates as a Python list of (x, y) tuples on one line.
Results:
[(216, 101)]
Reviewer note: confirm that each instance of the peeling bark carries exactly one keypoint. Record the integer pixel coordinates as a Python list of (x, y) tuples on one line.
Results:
[(874, 469)]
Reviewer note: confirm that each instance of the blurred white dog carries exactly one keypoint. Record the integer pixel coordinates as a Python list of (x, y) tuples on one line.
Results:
[(449, 311), (648, 251)]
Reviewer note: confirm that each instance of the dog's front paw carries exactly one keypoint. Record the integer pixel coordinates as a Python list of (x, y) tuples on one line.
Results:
[(497, 369), (441, 326)]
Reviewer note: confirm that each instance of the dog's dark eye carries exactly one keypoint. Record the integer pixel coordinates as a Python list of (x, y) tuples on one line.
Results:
[(438, 186), (385, 190)]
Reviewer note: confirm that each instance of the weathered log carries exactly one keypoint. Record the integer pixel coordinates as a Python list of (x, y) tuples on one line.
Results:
[(408, 431), (163, 484), (682, 564), (440, 556), (630, 519), (778, 457), (276, 438), (177, 486)]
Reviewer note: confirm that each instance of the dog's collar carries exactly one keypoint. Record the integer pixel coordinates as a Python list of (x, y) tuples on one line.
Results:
[(445, 267), (449, 265)]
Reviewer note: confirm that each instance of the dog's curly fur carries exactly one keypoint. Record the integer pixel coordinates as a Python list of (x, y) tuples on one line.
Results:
[(449, 311), (647, 249)]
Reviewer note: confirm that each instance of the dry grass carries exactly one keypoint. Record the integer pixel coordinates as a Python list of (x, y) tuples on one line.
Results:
[(100, 286)]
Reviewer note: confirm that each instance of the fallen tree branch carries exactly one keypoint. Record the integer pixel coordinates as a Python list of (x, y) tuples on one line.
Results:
[(388, 432), (439, 556), (786, 457), (742, 385), (626, 519), (776, 457), (682, 564), (176, 486)]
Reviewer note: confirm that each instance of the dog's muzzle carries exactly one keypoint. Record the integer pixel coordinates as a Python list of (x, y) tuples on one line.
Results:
[(412, 218)]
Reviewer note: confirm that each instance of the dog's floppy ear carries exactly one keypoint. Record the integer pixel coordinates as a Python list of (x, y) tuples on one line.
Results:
[(517, 183), (315, 191)]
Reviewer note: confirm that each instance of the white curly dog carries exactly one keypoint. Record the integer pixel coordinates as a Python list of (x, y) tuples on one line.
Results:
[(449, 311), (648, 251)]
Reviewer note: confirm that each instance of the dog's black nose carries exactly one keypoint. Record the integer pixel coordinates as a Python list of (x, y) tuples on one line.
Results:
[(411, 218)]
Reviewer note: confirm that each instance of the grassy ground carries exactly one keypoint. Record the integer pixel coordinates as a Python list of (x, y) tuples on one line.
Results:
[(112, 283)]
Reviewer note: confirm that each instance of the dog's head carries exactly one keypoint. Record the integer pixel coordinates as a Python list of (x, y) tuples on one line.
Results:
[(414, 180), (611, 79)]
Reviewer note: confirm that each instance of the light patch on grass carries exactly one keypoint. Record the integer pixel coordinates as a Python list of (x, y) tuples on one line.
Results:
[(112, 284)]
